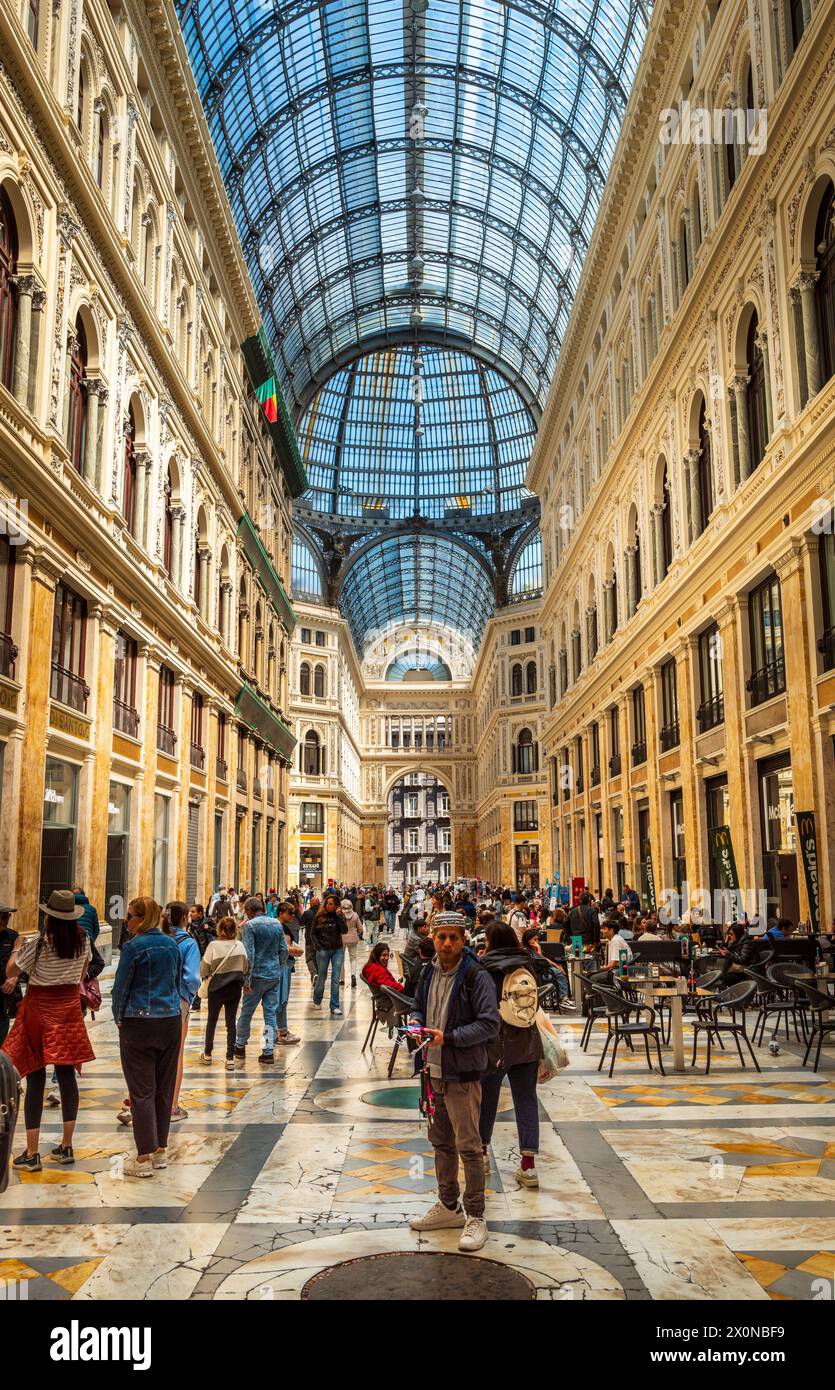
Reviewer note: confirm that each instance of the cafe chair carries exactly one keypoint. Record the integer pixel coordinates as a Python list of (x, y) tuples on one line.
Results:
[(777, 1002), (381, 1013), (819, 1003), (619, 1012), (734, 1000), (401, 1006), (593, 1008), (630, 990)]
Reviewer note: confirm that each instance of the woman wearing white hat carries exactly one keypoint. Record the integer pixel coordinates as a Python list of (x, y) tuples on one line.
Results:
[(49, 1028), (351, 939)]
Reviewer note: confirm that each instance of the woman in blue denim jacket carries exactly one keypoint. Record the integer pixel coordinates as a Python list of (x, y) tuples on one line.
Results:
[(146, 1008)]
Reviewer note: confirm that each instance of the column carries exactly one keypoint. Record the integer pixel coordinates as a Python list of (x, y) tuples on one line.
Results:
[(143, 468), (727, 617), (41, 595), (658, 539), (178, 517), (808, 308), (697, 521), (632, 578), (762, 344), (204, 555), (608, 623), (225, 597), (688, 269), (105, 627), (72, 345), (38, 306), (794, 570), (23, 338), (95, 391), (151, 659), (738, 385)]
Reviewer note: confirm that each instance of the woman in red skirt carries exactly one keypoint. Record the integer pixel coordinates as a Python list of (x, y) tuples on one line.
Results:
[(49, 1029)]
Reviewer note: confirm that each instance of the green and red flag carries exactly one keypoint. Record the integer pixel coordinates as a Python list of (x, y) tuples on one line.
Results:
[(268, 398)]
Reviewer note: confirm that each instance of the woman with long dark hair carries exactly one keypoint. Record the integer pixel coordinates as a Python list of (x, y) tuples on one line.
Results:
[(328, 930), (49, 1028)]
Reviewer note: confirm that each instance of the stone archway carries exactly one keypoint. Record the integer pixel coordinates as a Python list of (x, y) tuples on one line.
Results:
[(419, 830)]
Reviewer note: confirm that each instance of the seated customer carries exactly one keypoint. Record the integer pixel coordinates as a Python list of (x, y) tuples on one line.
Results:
[(376, 973), (615, 944)]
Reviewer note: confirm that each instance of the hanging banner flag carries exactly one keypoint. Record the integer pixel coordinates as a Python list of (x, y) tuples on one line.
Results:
[(722, 849), (807, 843), (268, 399), (650, 874)]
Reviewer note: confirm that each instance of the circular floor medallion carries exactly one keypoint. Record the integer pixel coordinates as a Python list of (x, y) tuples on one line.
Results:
[(395, 1097), (418, 1275)]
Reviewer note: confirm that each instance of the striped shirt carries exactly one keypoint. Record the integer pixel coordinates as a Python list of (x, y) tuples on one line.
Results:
[(51, 969)]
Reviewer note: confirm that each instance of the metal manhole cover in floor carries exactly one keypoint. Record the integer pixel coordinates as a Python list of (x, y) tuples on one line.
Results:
[(416, 1274)]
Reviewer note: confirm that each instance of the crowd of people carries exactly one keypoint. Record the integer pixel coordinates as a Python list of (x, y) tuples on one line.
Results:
[(472, 971)]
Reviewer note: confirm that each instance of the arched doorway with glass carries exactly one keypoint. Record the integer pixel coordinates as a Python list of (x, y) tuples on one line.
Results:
[(419, 840)]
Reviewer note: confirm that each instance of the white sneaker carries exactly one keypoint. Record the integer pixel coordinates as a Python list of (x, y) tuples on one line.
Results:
[(287, 1038), (53, 1098), (527, 1177), (160, 1159), (132, 1168), (336, 1013), (474, 1234), (438, 1218)]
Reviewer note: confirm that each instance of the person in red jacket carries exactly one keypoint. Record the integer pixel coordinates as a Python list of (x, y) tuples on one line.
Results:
[(375, 972)]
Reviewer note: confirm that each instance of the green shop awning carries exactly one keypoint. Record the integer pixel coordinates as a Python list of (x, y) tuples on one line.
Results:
[(264, 568), (252, 711), (261, 367)]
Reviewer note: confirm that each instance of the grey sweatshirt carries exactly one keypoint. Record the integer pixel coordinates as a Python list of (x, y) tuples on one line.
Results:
[(437, 1008)]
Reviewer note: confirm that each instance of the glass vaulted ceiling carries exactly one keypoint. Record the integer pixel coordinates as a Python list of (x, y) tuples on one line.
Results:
[(405, 173)]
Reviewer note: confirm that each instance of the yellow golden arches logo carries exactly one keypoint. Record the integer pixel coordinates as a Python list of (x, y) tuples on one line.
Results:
[(723, 837), (806, 825)]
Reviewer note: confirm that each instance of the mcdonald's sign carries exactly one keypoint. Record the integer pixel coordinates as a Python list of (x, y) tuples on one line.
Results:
[(722, 849), (647, 848), (807, 844)]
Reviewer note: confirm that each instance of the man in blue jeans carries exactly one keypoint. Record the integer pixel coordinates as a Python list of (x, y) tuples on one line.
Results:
[(266, 949)]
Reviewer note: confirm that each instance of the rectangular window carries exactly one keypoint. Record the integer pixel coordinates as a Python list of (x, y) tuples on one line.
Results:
[(826, 562), (614, 742), (717, 807), (445, 840), (578, 764), (69, 637), (443, 804), (768, 667), (116, 864), (221, 767), (8, 651), (669, 707), (711, 711), (304, 635), (411, 808), (243, 749), (594, 746), (159, 871), (166, 737), (198, 753), (526, 815), (516, 637), (677, 834), (321, 639), (217, 858), (412, 842), (312, 817), (639, 727), (530, 634), (60, 825), (125, 713)]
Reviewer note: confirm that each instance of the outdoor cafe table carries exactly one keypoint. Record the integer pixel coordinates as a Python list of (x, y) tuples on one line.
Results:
[(673, 989)]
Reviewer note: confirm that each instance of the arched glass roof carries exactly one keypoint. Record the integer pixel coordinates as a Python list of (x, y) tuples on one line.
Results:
[(418, 666), (364, 448), (412, 579), (394, 167), (305, 579), (526, 579)]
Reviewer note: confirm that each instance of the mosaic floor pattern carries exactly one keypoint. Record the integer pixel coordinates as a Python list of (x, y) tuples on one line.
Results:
[(679, 1187)]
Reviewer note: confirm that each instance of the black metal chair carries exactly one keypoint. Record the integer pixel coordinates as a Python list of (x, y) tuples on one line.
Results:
[(735, 999), (774, 1001), (631, 990), (381, 1013), (401, 1006), (592, 1007), (819, 1003), (618, 1016)]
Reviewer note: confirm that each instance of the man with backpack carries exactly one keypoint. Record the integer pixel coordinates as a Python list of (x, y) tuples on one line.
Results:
[(456, 1004), (583, 921), (517, 917)]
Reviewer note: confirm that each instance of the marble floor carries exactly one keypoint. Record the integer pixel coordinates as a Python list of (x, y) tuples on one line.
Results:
[(684, 1187)]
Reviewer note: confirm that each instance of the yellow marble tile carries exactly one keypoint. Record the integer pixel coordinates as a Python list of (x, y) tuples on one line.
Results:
[(759, 1146), (823, 1264), (805, 1168), (378, 1172), (764, 1271), (13, 1271), (57, 1175), (72, 1278)]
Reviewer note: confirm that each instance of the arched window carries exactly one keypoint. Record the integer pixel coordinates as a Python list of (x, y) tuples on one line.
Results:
[(730, 150), (516, 680), (79, 115), (755, 395), (312, 756), (825, 286), (168, 524), (8, 288), (101, 134), (530, 678), (198, 578), (33, 21), (259, 645), (319, 682), (304, 679), (77, 416), (526, 751), (705, 468), (666, 555), (129, 473), (683, 257), (243, 612), (797, 21)]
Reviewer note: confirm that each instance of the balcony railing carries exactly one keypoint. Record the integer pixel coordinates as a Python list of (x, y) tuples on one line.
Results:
[(615, 765), (69, 689), (767, 681), (639, 752), (826, 646), (595, 776), (8, 656), (240, 779), (670, 736), (125, 718), (711, 713), (198, 756), (256, 787), (166, 740), (270, 796), (578, 785), (221, 770)]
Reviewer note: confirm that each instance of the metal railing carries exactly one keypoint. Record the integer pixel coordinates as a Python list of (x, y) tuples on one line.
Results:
[(670, 736), (240, 779), (197, 756), (711, 713), (826, 646), (767, 681), (595, 776), (221, 769), (615, 765), (166, 740), (639, 752), (125, 718), (68, 688), (8, 656)]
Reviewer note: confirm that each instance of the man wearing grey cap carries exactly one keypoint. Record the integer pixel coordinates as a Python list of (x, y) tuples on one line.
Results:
[(10, 996), (456, 1002)]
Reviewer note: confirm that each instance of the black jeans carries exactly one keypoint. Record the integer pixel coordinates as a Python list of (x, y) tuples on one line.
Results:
[(522, 1080), (227, 997), (67, 1085), (150, 1050)]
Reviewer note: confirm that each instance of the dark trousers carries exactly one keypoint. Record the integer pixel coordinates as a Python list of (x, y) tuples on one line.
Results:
[(5, 1024), (522, 1080), (453, 1134), (67, 1085), (150, 1050), (227, 997)]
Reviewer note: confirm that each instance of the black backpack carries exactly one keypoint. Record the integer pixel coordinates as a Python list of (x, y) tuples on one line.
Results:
[(9, 1106)]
